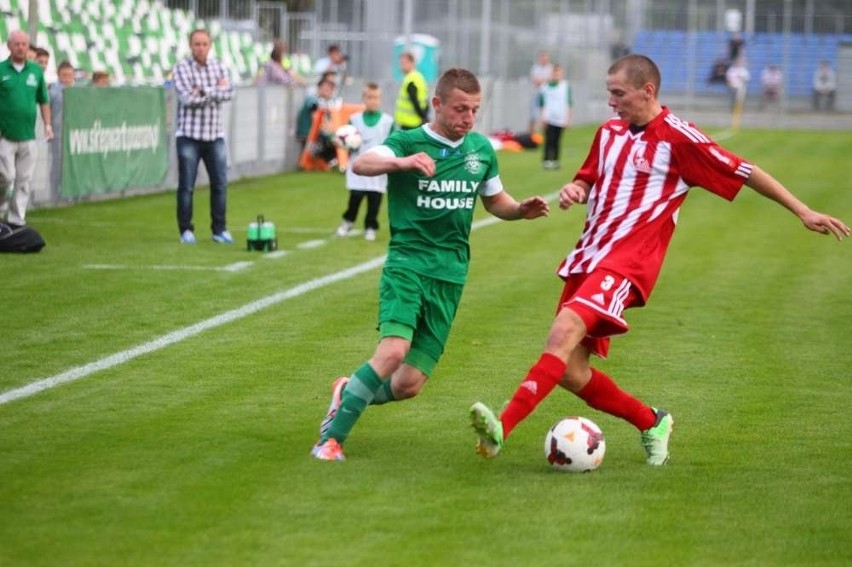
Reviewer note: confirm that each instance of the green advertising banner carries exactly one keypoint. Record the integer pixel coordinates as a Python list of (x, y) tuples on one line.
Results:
[(113, 139)]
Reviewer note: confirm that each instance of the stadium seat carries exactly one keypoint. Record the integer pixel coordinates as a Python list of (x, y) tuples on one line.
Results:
[(135, 40), (803, 52), (45, 14)]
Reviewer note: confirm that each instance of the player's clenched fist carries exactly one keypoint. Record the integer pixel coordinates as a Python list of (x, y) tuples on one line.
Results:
[(571, 194)]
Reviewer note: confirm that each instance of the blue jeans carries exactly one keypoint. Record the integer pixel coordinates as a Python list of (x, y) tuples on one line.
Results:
[(189, 152)]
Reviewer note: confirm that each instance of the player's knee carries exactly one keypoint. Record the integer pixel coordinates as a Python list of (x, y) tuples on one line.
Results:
[(390, 355), (391, 360), (566, 333)]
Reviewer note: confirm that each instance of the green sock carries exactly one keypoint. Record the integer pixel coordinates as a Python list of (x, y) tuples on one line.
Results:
[(358, 394), (384, 394)]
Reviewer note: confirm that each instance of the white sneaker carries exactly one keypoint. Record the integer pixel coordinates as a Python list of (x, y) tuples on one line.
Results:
[(370, 234), (344, 228), (223, 237), (188, 237)]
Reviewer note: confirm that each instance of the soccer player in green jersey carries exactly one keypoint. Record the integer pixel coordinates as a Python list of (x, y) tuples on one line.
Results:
[(435, 173)]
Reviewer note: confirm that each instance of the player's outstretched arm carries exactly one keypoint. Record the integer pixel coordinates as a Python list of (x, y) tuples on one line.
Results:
[(381, 160), (504, 206), (771, 188)]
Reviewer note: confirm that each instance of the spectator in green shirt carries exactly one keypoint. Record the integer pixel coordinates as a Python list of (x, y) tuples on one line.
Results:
[(22, 87)]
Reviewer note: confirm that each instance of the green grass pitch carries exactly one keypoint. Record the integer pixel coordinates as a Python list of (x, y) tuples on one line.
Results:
[(197, 453)]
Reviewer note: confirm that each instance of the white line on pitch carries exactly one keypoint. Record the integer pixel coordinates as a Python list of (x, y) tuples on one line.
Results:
[(298, 230), (724, 135), (308, 244), (185, 333), (180, 335), (235, 267)]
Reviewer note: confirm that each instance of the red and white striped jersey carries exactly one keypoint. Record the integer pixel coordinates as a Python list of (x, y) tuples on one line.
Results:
[(638, 181)]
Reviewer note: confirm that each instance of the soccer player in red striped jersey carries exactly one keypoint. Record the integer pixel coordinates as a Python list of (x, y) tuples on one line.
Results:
[(637, 174)]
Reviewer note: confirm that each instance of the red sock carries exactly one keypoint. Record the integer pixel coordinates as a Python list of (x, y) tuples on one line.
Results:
[(540, 381), (603, 394)]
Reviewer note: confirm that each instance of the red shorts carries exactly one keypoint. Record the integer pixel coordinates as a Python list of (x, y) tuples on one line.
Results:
[(599, 298)]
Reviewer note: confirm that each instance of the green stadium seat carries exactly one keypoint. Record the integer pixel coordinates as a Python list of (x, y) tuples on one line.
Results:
[(45, 14), (134, 45), (137, 41)]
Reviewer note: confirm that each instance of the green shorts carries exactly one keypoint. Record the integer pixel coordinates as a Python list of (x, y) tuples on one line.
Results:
[(420, 309)]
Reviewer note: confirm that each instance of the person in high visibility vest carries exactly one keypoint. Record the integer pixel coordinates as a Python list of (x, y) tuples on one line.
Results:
[(412, 103)]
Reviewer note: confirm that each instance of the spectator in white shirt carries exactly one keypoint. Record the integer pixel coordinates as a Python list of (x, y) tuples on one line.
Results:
[(334, 62), (771, 85), (737, 78), (825, 86)]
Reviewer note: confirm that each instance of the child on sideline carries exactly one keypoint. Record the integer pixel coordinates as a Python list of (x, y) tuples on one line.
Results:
[(555, 102), (374, 126)]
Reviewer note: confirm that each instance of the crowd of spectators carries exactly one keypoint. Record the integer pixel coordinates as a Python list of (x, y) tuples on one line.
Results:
[(733, 71)]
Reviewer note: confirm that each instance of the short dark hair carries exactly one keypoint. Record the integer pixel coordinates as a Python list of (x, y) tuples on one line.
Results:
[(456, 78), (640, 70), (40, 52), (199, 30), (64, 65)]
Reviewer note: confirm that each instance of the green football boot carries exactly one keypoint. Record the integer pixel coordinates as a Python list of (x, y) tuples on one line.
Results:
[(656, 439), (488, 428)]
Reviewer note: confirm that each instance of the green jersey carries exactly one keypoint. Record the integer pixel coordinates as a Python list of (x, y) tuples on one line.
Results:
[(19, 93), (430, 217)]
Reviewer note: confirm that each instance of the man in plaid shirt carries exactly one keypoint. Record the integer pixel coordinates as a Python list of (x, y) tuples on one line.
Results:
[(202, 84)]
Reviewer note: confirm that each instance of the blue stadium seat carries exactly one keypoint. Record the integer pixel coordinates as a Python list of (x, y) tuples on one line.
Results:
[(797, 54)]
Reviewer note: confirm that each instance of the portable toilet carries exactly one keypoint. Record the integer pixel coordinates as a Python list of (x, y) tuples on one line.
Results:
[(426, 51)]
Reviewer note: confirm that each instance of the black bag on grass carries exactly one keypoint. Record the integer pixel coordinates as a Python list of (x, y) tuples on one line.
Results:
[(526, 141), (15, 238)]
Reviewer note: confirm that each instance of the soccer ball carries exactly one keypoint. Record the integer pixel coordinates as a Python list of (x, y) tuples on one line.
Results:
[(347, 137), (575, 444)]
